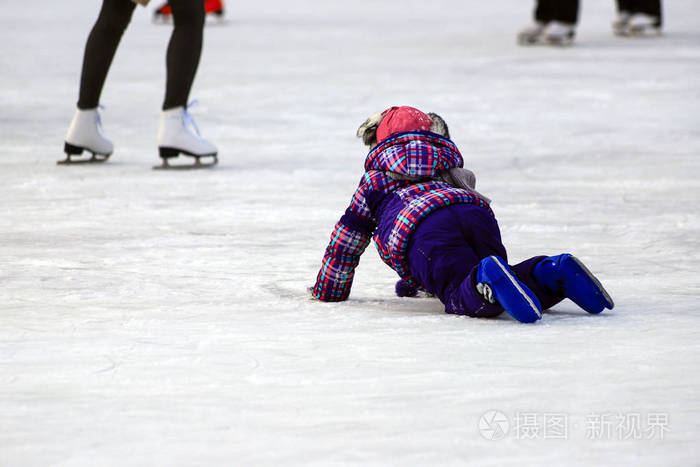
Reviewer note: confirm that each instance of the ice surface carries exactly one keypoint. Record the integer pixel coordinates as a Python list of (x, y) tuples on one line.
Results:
[(160, 318)]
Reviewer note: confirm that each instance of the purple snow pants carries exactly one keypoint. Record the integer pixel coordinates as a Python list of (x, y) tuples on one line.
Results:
[(444, 252)]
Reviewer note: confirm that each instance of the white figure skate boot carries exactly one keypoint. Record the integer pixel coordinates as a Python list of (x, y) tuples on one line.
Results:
[(175, 138), (621, 23), (531, 34), (557, 33), (641, 24), (85, 134)]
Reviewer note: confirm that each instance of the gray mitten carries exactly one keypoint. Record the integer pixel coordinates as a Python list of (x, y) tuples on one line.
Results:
[(462, 178)]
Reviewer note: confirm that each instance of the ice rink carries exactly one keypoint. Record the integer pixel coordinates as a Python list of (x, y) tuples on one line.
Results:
[(152, 318)]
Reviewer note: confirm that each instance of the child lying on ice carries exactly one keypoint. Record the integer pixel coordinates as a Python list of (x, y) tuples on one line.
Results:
[(438, 233)]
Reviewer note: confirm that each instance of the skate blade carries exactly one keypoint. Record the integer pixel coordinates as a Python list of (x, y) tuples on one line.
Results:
[(559, 42), (528, 40), (609, 304), (198, 164), (95, 159), (535, 41), (638, 32), (645, 32)]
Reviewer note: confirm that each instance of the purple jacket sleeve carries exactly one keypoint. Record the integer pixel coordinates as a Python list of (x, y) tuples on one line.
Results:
[(349, 239)]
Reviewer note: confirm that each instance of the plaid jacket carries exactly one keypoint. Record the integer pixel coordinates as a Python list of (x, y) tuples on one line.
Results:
[(390, 207)]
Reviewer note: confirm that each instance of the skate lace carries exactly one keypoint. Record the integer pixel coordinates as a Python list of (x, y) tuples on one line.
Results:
[(189, 120)]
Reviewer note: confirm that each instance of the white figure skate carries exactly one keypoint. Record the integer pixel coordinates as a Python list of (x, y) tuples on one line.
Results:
[(621, 23), (175, 138), (641, 24), (85, 134), (556, 33), (531, 34)]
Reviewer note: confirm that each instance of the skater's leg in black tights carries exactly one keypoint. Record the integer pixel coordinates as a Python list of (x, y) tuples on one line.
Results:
[(650, 7), (564, 11), (625, 5), (544, 11), (100, 48), (184, 51)]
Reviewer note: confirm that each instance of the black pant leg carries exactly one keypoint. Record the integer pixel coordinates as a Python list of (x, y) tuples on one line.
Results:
[(650, 7), (545, 11), (184, 50), (100, 48), (567, 11), (625, 5)]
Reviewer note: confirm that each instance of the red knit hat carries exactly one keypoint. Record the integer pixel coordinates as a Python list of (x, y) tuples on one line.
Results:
[(399, 119)]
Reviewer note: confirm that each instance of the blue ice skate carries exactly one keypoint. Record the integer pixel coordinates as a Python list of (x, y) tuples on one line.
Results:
[(565, 274), (497, 283)]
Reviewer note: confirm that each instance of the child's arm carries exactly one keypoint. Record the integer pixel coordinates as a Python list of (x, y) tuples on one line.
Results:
[(349, 239)]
